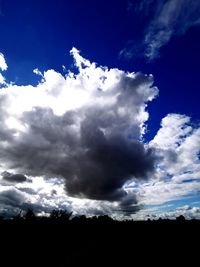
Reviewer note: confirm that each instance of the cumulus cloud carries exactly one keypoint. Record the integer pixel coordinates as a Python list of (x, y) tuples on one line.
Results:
[(165, 20), (179, 145), (188, 212), (79, 139), (153, 213), (178, 173), (85, 128)]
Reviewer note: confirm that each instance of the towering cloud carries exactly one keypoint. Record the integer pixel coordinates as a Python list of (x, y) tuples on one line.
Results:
[(76, 142), (85, 128)]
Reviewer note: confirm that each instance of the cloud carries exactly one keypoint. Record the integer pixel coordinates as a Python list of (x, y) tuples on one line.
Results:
[(172, 17), (153, 213), (165, 20), (85, 128), (177, 143), (160, 192), (37, 195), (11, 197), (14, 178), (2, 79), (44, 195), (188, 212), (3, 65), (79, 139), (174, 128)]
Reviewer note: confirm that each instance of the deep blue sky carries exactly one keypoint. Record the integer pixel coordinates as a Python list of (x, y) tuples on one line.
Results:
[(40, 34)]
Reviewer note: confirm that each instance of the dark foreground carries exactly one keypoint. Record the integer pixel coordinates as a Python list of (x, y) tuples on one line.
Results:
[(54, 242)]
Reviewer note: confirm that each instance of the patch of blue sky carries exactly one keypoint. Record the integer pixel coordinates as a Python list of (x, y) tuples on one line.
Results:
[(191, 201)]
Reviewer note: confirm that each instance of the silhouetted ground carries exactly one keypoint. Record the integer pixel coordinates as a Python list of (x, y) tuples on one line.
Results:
[(58, 241)]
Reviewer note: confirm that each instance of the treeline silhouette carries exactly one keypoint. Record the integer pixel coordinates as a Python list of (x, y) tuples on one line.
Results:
[(63, 216), (63, 239)]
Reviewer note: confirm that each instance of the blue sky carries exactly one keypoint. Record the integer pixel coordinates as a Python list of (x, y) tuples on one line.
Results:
[(161, 38)]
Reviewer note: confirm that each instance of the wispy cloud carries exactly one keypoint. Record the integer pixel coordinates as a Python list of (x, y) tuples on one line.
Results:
[(1, 13), (167, 19), (172, 17)]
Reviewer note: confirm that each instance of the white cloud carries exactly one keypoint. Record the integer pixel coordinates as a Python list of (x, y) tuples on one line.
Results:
[(178, 172), (2, 79), (157, 193), (3, 65), (154, 213), (178, 144), (186, 211), (174, 128), (38, 194)]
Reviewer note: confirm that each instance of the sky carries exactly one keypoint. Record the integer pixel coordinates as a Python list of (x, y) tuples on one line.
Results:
[(99, 107)]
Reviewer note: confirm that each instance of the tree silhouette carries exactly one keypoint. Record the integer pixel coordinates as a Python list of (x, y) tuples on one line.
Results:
[(180, 218), (29, 215), (60, 215)]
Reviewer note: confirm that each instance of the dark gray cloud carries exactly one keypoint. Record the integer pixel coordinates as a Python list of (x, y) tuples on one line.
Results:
[(94, 166), (12, 197), (129, 204), (108, 163), (14, 178)]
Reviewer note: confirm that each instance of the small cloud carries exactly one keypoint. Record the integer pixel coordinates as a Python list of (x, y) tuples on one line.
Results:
[(38, 72), (3, 65), (2, 80), (13, 178)]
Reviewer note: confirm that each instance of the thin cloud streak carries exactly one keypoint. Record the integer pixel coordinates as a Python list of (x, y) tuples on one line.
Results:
[(167, 19)]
